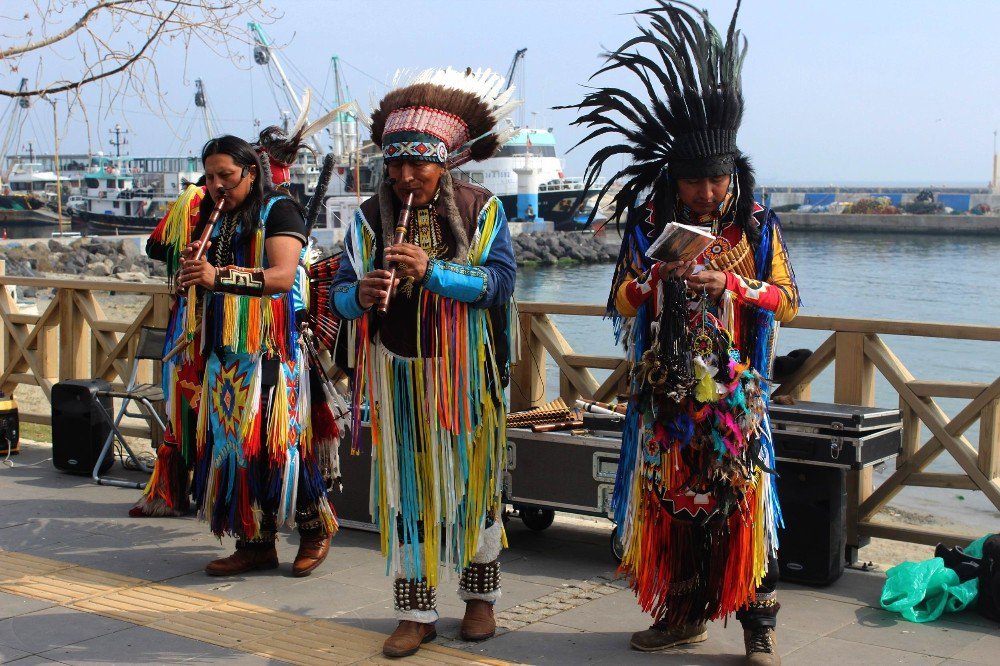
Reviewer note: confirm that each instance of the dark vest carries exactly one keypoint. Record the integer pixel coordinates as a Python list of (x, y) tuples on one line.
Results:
[(397, 329)]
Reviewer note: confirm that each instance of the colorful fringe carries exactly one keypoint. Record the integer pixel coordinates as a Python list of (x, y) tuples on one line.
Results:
[(438, 425), (166, 492), (256, 452), (688, 565)]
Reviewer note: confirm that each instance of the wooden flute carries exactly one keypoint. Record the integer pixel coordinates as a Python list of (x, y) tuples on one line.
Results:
[(402, 226)]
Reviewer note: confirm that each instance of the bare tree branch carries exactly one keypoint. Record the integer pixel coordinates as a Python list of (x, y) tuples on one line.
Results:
[(98, 47), (80, 23), (88, 79)]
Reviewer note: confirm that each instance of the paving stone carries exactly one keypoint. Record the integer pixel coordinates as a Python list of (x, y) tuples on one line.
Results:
[(54, 627), (12, 604), (146, 645), (879, 627), (829, 651)]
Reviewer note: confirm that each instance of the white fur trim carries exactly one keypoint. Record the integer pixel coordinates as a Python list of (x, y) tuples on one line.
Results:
[(424, 617)]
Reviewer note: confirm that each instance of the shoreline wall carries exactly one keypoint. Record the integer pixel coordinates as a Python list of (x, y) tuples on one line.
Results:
[(948, 225)]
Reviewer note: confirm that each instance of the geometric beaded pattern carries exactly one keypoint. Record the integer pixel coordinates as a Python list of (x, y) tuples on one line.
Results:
[(445, 126)]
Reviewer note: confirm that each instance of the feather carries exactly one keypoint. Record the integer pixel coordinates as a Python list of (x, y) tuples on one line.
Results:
[(300, 122), (691, 102), (326, 119)]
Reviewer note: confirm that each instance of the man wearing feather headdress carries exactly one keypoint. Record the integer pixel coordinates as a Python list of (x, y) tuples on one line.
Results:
[(695, 499), (433, 368)]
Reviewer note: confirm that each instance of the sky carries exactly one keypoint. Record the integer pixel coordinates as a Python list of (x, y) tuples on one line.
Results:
[(883, 91)]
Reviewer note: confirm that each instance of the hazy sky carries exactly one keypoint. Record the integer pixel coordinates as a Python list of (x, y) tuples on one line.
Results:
[(836, 92)]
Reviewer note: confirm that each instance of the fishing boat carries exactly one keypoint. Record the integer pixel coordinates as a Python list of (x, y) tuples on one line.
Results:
[(116, 201)]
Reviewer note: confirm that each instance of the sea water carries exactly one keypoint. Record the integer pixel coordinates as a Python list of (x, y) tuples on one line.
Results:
[(919, 278)]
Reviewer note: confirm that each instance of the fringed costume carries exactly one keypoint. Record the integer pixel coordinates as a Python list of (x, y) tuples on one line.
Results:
[(167, 493), (695, 498), (432, 371), (257, 464)]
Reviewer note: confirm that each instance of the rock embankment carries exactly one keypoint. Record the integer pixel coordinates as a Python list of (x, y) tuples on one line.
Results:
[(92, 257), (560, 247), (124, 259)]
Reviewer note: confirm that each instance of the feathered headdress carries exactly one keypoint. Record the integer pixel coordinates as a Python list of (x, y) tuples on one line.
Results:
[(282, 147), (443, 115), (684, 124)]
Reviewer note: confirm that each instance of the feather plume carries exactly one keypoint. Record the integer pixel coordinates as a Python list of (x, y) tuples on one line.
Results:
[(477, 97), (689, 103)]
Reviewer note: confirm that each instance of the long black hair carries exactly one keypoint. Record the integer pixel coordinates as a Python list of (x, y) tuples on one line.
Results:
[(245, 156)]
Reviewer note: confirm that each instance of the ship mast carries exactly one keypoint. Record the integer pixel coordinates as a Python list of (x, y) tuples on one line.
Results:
[(201, 101), (995, 183)]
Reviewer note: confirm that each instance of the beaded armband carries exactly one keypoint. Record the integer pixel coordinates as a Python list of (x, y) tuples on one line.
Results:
[(239, 281)]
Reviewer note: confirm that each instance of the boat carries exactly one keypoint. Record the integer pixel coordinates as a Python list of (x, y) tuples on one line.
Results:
[(25, 209), (115, 201)]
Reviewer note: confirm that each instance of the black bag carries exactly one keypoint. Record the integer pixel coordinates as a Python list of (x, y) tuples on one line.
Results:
[(989, 580)]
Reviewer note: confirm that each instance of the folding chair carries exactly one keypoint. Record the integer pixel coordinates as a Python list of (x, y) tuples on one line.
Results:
[(150, 347)]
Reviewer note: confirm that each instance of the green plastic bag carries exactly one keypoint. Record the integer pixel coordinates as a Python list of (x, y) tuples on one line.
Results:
[(923, 591)]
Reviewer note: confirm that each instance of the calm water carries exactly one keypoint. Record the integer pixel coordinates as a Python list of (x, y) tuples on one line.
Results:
[(918, 278)]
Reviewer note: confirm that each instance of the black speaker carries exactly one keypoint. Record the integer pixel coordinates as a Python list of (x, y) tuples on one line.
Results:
[(78, 429), (351, 501), (10, 432), (814, 506)]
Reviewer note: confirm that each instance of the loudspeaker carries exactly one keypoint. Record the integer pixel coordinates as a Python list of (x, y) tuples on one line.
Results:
[(78, 428), (351, 502), (10, 435), (814, 506)]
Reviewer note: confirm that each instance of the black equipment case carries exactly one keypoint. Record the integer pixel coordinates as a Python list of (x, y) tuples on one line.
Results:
[(78, 428), (562, 471), (819, 433)]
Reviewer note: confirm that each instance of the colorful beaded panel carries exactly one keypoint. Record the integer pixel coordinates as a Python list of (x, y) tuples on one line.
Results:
[(447, 127)]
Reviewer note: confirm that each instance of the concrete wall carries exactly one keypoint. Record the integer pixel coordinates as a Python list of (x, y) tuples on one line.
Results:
[(976, 225)]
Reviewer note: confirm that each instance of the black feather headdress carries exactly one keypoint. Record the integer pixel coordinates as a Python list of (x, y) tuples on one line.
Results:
[(684, 123)]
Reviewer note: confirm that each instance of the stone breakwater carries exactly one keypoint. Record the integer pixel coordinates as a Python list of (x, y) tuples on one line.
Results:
[(548, 248), (124, 259), (558, 247), (93, 257)]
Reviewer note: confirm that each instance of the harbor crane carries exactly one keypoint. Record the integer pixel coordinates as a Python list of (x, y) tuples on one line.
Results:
[(265, 55), (201, 101)]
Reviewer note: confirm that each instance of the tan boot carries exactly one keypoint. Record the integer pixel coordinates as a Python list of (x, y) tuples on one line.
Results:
[(660, 637), (407, 638), (246, 558), (761, 646), (478, 623), (312, 551)]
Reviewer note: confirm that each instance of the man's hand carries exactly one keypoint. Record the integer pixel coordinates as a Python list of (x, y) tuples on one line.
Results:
[(667, 269), (411, 261), (198, 272), (712, 282), (373, 288)]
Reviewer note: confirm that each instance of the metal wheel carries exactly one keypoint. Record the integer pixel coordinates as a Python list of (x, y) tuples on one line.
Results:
[(537, 519), (617, 548)]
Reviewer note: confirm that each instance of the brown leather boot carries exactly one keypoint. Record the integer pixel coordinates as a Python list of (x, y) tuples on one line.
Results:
[(248, 557), (312, 551), (407, 638), (761, 646), (662, 636), (478, 623)]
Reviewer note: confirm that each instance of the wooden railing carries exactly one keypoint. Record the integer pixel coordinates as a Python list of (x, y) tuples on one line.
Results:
[(73, 338), (857, 350)]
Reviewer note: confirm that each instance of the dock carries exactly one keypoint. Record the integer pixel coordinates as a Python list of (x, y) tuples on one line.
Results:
[(80, 582)]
